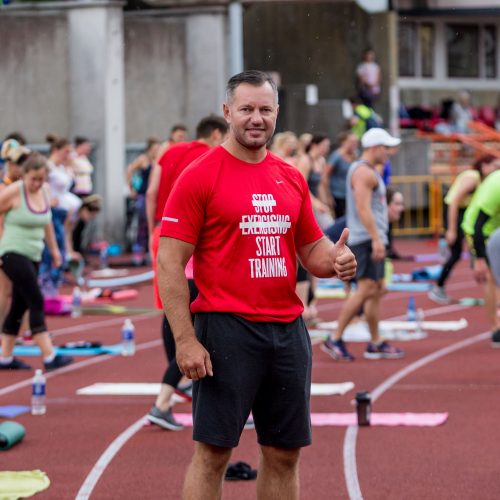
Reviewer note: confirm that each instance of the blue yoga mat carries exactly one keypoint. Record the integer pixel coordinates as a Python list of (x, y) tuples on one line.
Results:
[(427, 273), (33, 350), (12, 411), (409, 287), (392, 287)]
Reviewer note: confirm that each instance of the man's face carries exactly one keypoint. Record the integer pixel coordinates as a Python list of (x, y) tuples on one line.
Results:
[(252, 114), (178, 135)]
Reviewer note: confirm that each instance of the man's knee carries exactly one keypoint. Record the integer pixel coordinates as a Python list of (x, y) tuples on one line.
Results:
[(211, 457), (370, 288), (281, 458)]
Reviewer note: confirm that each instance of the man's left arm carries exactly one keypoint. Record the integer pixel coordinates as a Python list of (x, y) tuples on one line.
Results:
[(324, 259)]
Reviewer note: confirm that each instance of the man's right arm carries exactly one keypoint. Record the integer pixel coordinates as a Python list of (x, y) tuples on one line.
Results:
[(363, 182), (192, 358)]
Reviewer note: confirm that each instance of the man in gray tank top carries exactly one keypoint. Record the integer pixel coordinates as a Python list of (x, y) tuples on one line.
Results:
[(367, 220)]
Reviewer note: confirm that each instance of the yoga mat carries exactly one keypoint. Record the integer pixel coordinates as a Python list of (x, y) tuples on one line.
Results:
[(442, 326), (109, 273), (152, 389), (471, 301), (97, 296), (329, 293), (125, 281), (22, 484), (33, 350), (11, 433), (112, 309), (346, 419), (427, 273), (332, 291), (12, 411), (358, 332), (408, 287)]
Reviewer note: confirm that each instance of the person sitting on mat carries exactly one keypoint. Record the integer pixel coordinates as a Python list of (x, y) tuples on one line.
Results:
[(25, 205)]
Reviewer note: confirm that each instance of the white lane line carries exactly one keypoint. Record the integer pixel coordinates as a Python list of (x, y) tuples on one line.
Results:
[(104, 460), (87, 362), (350, 467)]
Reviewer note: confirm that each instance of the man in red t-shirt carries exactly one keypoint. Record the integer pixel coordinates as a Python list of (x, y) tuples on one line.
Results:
[(210, 132), (245, 215)]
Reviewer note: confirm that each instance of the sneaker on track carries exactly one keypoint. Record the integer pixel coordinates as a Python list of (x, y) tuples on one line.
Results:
[(382, 351), (495, 339), (15, 364), (164, 419), (438, 295), (337, 350), (58, 362)]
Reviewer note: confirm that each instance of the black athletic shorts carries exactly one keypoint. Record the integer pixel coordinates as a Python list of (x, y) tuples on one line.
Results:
[(263, 368), (366, 266)]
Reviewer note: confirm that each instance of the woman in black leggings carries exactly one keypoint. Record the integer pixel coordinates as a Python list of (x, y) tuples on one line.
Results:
[(27, 223)]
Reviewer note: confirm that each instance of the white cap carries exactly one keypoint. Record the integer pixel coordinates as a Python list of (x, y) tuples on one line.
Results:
[(379, 137)]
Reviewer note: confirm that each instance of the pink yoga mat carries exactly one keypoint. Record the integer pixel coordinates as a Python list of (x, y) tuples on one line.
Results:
[(345, 419)]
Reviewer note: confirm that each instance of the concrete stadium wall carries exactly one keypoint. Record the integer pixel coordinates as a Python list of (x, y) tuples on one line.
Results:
[(34, 75)]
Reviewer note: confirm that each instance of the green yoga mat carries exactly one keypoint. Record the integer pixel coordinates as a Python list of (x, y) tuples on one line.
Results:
[(10, 434)]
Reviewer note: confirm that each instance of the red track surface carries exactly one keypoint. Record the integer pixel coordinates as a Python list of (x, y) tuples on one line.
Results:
[(459, 459)]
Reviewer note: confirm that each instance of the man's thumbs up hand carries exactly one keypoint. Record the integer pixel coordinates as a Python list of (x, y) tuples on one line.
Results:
[(344, 262)]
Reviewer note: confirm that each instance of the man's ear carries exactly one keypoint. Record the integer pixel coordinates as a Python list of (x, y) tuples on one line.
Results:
[(225, 109)]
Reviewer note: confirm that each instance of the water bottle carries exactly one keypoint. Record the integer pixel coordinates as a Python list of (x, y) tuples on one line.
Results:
[(76, 303), (363, 407), (38, 394), (128, 342), (443, 249), (103, 258), (137, 255), (411, 314)]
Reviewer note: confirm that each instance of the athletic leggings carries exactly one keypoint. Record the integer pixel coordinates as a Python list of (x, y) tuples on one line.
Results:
[(26, 294), (455, 251), (172, 374)]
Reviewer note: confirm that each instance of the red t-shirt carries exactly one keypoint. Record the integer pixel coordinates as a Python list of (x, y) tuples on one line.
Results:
[(172, 163), (246, 221)]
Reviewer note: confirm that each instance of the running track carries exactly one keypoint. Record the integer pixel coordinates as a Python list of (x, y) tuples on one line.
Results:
[(94, 447)]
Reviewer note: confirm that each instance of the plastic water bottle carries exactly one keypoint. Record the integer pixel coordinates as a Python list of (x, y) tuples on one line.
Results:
[(128, 342), (137, 255), (411, 314), (443, 249), (76, 303), (38, 406), (103, 258)]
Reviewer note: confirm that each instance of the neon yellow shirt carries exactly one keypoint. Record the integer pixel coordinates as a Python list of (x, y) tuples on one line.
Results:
[(486, 199), (452, 192)]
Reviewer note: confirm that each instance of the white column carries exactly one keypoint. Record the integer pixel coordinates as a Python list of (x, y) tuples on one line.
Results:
[(97, 100), (236, 37)]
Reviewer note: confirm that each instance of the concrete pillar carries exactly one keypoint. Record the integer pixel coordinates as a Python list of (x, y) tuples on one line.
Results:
[(207, 69), (96, 90)]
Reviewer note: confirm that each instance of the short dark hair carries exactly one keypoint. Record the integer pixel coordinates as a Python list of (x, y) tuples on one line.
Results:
[(251, 77), (316, 139), (178, 126), (17, 136), (79, 140), (35, 161), (210, 123), (483, 160)]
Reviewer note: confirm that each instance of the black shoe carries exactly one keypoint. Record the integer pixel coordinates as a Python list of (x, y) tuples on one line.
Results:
[(240, 471), (58, 362), (15, 364), (495, 339)]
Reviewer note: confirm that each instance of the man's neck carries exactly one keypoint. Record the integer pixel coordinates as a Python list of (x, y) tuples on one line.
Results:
[(367, 157), (244, 154)]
